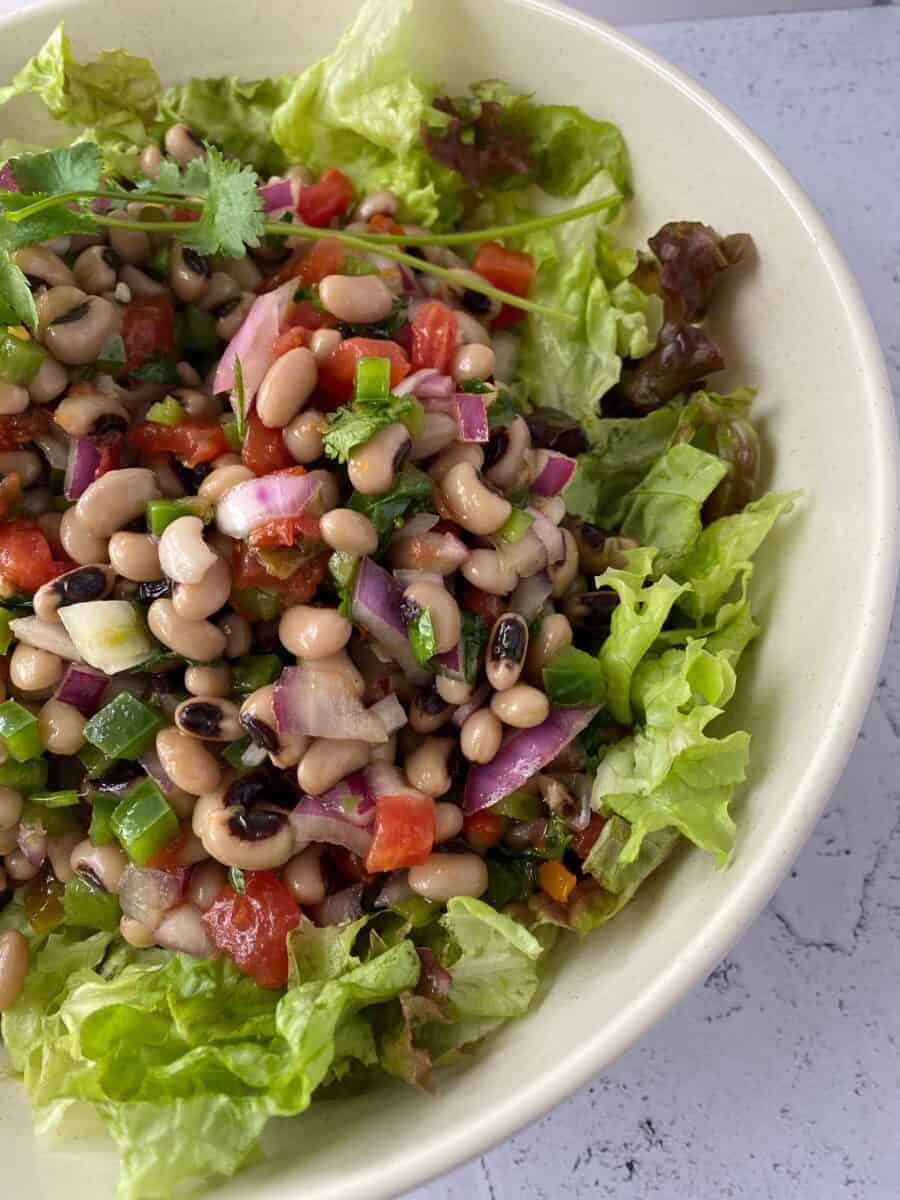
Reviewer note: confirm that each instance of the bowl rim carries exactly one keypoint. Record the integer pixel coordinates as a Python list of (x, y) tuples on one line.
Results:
[(742, 906)]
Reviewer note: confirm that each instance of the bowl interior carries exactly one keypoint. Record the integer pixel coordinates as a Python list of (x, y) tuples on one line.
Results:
[(792, 325)]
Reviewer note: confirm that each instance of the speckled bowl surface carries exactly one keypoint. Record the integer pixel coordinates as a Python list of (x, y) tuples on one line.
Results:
[(795, 326)]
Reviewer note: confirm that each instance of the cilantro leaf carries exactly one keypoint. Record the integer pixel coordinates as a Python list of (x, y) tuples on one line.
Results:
[(240, 400), (420, 632), (69, 169), (44, 226), (16, 300), (232, 215), (171, 180), (355, 423), (410, 494)]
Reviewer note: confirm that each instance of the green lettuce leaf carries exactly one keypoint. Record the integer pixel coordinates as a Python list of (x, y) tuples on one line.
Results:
[(724, 549), (671, 773), (663, 510), (619, 880), (361, 110), (234, 114), (112, 100), (729, 632), (635, 624), (495, 971)]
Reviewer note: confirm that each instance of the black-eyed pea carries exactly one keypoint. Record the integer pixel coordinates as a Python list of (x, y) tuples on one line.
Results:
[(183, 144), (222, 288), (91, 582), (198, 404), (562, 574), (341, 664), (442, 877), (100, 866), (183, 554), (77, 335), (238, 635), (222, 480), (62, 727), (323, 344), (135, 556), (96, 269), (189, 273), (472, 361), (18, 868), (41, 264), (207, 881), (252, 839), (554, 635), (131, 245), (521, 706), (376, 203), (303, 876), (480, 736), (448, 822), (329, 491), (438, 431), (506, 650), (136, 934), (313, 633), (356, 299), (257, 718), (198, 640), (209, 718), (24, 463), (140, 285), (208, 680), (373, 465), (424, 595), (13, 399), (34, 670), (454, 691), (352, 532), (115, 500), (230, 315), (456, 453), (427, 766), (187, 762), (287, 387), (79, 542), (328, 760), (150, 160), (304, 436), (506, 454), (428, 711), (51, 381), (11, 804), (485, 569), (197, 601), (472, 504)]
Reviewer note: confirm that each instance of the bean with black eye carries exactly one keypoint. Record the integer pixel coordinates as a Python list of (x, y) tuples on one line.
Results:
[(183, 144), (96, 269), (265, 785), (506, 471), (553, 429), (230, 315), (591, 542), (189, 273), (507, 648), (373, 465), (477, 303), (93, 582), (78, 335), (148, 592), (209, 718), (591, 611), (428, 711)]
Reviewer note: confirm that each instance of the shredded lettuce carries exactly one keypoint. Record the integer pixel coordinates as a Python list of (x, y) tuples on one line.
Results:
[(234, 114)]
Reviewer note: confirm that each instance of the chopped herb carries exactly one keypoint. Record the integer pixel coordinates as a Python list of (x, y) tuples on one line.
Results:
[(236, 879), (25, 776), (103, 805), (240, 400), (20, 359), (65, 799), (354, 424), (157, 368), (420, 632), (254, 671), (411, 493)]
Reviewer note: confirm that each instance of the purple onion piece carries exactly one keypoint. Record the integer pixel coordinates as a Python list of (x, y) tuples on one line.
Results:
[(31, 837), (339, 908), (376, 606), (83, 688), (182, 930), (472, 416), (556, 472), (323, 704)]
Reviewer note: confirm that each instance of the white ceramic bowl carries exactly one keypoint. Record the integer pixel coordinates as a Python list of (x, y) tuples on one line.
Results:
[(796, 327)]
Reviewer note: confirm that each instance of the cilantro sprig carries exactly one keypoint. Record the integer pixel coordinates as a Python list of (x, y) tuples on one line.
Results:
[(59, 188), (355, 423)]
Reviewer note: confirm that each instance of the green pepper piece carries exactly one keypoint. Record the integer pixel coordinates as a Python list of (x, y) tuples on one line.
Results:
[(515, 527), (113, 357), (161, 513), (373, 379), (519, 806), (103, 805), (257, 602), (233, 436), (166, 412), (123, 728), (158, 263), (95, 762), (254, 671), (144, 822), (6, 634), (65, 799), (56, 821), (89, 907), (20, 732), (26, 776), (20, 359), (196, 330), (60, 504)]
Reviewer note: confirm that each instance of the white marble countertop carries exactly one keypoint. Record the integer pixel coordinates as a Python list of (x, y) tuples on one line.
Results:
[(778, 1078)]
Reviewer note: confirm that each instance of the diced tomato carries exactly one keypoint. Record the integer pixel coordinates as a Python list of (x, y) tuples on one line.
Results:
[(583, 841), (305, 315), (325, 258), (20, 428), (433, 337), (302, 585), (483, 604), (264, 450), (291, 339), (26, 560), (484, 829), (382, 223), (171, 857), (285, 531), (193, 442), (180, 213), (511, 270), (319, 203), (110, 454), (148, 327), (252, 928), (336, 374), (403, 832)]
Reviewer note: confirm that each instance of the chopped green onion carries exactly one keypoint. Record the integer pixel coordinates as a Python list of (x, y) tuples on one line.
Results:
[(257, 602), (6, 634), (515, 526), (26, 776), (373, 379), (144, 822), (123, 728), (20, 732), (254, 671), (65, 799), (161, 513), (240, 399), (166, 412), (56, 821), (103, 806), (519, 806), (89, 907), (20, 359)]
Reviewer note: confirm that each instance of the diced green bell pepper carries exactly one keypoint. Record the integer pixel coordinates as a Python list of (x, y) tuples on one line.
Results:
[(519, 806), (196, 330), (89, 907), (56, 821), (20, 732), (166, 412), (515, 526), (95, 762), (65, 799), (254, 671), (24, 777), (161, 513), (144, 822), (262, 603), (6, 634), (373, 379), (20, 359), (123, 728), (103, 805)]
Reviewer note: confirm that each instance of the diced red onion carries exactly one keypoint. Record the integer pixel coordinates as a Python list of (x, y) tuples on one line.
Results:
[(434, 980), (84, 459), (396, 888), (390, 712), (410, 282), (384, 779), (313, 821), (182, 930), (451, 663), (376, 606), (349, 800), (419, 524), (83, 688), (252, 343), (278, 194), (438, 387), (527, 556), (408, 386), (149, 760), (405, 578), (339, 908), (31, 837), (531, 595), (323, 704), (249, 504), (147, 894), (522, 756), (7, 179), (550, 536), (465, 711), (553, 476), (473, 421)]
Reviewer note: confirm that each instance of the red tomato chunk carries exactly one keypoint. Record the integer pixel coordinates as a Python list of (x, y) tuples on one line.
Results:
[(252, 928), (404, 832)]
